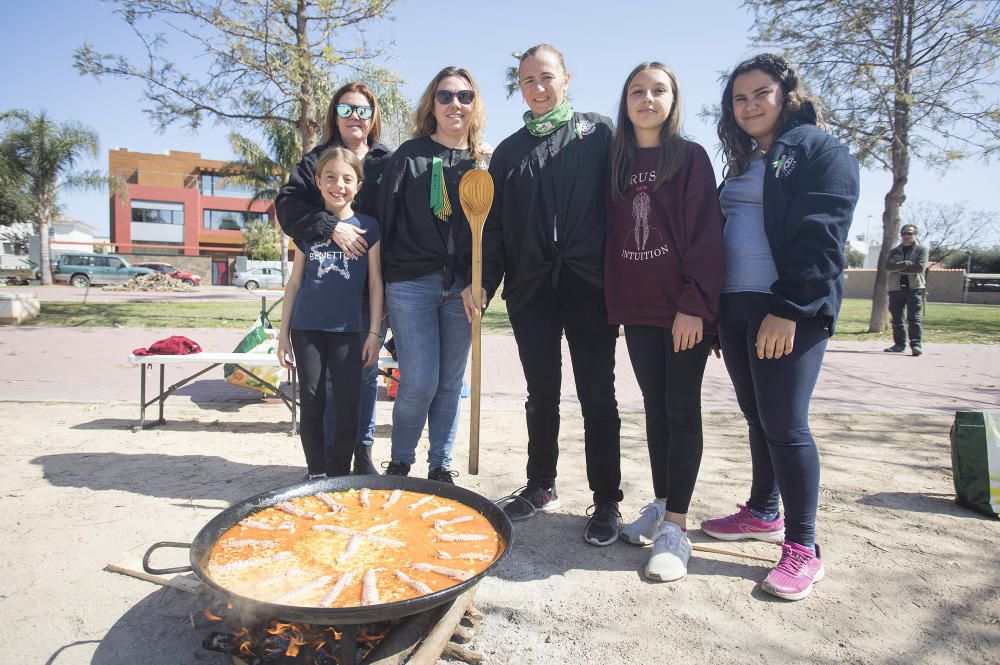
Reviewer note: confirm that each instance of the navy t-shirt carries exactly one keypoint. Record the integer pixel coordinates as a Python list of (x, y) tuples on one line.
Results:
[(333, 286)]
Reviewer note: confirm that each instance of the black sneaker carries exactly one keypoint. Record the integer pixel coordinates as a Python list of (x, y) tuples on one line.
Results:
[(395, 468), (442, 475), (363, 461), (916, 350), (604, 525), (528, 500), (896, 348)]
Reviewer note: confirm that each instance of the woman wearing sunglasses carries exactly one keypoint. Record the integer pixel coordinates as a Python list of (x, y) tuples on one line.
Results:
[(427, 257), (550, 177), (353, 121)]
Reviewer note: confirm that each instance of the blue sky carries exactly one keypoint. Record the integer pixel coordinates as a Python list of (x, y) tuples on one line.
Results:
[(601, 42)]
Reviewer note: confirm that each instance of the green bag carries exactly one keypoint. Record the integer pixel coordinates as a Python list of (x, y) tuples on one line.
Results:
[(261, 338), (975, 461)]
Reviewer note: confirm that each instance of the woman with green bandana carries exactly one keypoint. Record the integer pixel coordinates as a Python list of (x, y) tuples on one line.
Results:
[(548, 217), (427, 258)]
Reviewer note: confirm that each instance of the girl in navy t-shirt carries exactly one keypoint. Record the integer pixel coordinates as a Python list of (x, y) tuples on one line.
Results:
[(321, 324)]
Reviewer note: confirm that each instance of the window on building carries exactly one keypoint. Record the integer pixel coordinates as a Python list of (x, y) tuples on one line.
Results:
[(214, 185), (158, 212), (231, 220)]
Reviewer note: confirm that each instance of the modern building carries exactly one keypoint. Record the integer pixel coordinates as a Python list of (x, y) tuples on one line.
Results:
[(66, 234), (178, 204)]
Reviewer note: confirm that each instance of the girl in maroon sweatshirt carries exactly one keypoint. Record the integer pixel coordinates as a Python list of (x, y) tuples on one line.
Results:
[(663, 274)]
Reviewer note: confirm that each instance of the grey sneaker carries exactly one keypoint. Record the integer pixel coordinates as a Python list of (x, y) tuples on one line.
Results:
[(643, 530), (671, 551)]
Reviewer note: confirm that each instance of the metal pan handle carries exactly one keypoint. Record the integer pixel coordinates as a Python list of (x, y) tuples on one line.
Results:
[(164, 571)]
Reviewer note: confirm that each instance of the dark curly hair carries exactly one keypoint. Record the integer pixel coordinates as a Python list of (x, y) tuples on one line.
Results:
[(737, 145)]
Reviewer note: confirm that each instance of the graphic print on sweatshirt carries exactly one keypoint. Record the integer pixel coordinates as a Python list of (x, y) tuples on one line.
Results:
[(324, 259), (643, 242)]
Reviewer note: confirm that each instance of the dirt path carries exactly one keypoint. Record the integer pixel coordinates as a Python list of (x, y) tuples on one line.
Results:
[(911, 578)]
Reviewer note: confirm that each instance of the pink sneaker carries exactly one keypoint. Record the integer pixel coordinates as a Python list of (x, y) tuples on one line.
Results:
[(744, 526), (795, 574)]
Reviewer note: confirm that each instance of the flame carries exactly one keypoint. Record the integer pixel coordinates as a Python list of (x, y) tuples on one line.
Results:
[(294, 644), (210, 616)]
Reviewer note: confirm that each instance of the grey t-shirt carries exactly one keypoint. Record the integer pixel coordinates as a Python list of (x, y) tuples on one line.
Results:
[(749, 264)]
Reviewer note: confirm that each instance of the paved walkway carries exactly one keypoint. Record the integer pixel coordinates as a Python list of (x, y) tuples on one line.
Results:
[(89, 365)]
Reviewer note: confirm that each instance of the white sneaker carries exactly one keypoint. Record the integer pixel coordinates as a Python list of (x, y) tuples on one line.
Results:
[(643, 530), (671, 551)]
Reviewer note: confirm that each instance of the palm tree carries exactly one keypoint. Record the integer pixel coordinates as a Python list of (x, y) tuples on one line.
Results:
[(512, 77), (41, 154), (266, 169)]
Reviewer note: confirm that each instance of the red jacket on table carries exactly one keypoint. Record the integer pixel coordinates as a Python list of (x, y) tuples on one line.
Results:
[(664, 251)]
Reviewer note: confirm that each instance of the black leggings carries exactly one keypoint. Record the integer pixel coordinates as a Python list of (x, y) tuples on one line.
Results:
[(774, 397), (316, 353), (671, 393)]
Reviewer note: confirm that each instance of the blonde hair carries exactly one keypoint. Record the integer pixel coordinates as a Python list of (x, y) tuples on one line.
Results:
[(339, 153), (424, 122)]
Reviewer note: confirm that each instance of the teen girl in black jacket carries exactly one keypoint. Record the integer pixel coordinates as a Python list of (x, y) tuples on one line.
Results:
[(788, 198)]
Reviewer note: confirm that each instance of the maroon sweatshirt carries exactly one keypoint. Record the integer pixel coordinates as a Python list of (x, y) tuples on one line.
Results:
[(664, 245)]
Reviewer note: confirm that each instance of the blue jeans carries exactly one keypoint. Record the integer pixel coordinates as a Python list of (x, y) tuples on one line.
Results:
[(366, 408), (432, 344)]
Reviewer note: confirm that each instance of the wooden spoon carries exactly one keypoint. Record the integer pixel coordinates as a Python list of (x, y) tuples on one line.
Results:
[(475, 192)]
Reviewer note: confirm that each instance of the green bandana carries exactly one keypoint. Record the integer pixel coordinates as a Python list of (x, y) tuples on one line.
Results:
[(549, 122), (440, 204)]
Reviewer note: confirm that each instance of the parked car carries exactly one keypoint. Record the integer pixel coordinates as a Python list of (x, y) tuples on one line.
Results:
[(85, 269), (188, 278), (258, 277)]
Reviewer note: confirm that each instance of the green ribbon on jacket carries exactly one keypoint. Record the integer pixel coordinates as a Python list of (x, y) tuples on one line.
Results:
[(440, 204)]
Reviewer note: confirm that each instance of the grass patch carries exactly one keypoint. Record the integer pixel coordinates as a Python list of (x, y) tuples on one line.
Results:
[(943, 323), (176, 315), (186, 314)]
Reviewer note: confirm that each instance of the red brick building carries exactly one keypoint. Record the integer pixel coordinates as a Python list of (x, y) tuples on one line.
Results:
[(177, 204)]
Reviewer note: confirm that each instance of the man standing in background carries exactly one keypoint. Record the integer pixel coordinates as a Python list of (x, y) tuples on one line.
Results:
[(907, 263)]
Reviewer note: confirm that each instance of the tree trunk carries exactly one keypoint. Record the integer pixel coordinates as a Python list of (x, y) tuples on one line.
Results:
[(307, 121), (43, 214), (902, 59)]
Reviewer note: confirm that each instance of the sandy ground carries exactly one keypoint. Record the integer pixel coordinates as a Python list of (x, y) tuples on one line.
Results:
[(911, 577)]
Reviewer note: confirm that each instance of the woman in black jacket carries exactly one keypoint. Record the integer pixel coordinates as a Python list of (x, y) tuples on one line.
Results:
[(788, 198), (427, 264), (550, 177), (353, 121)]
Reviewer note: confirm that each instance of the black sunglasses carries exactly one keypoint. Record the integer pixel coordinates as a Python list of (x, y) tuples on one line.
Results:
[(906, 233), (445, 96), (345, 110)]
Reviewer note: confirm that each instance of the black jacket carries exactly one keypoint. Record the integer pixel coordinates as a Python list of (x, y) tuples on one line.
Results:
[(544, 185), (414, 241), (299, 205), (811, 185)]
